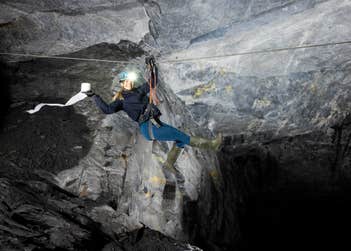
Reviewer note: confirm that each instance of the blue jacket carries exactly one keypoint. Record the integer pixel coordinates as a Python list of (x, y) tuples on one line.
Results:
[(134, 102)]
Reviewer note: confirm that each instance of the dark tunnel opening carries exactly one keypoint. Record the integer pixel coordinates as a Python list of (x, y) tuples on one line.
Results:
[(276, 211), (292, 220), (272, 204), (5, 93)]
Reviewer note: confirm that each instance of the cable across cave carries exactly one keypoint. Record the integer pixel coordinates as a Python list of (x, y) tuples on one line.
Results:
[(176, 60), (307, 46)]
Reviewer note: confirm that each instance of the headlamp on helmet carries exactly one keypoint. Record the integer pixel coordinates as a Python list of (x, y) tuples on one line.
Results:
[(132, 76)]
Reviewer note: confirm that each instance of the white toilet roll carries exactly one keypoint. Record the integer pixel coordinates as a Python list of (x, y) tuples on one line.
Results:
[(85, 87)]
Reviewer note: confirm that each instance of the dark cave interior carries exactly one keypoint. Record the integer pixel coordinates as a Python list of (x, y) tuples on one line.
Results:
[(4, 92), (293, 220)]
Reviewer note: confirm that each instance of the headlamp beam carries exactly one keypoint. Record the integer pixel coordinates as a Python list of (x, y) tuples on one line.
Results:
[(132, 76)]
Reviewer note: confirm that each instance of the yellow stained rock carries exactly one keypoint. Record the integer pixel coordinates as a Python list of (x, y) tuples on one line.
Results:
[(157, 180), (158, 158), (214, 173), (313, 88), (222, 71), (229, 89), (205, 88), (261, 103)]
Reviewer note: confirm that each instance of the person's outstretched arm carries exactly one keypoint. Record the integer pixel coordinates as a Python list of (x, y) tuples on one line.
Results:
[(114, 106)]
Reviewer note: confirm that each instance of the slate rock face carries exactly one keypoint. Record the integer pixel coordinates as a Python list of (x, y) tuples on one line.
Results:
[(282, 175), (179, 24), (288, 91), (37, 215), (57, 27)]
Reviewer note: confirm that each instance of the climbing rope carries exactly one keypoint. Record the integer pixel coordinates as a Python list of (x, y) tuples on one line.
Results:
[(186, 59), (153, 89)]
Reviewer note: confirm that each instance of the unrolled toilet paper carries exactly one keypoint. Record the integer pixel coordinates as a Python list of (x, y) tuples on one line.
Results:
[(76, 98)]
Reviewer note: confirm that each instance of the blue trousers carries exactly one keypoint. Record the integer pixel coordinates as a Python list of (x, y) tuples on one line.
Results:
[(165, 133)]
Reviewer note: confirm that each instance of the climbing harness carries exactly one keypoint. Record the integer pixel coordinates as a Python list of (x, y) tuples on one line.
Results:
[(152, 113), (150, 61), (153, 99), (151, 116)]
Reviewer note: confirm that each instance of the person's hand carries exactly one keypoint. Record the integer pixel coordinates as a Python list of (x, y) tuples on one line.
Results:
[(89, 93)]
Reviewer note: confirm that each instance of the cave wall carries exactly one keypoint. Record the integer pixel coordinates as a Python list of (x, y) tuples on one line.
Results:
[(288, 91), (58, 27), (285, 114)]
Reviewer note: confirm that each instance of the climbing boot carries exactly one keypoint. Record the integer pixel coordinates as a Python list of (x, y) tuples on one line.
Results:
[(172, 157), (170, 173), (169, 191), (209, 144)]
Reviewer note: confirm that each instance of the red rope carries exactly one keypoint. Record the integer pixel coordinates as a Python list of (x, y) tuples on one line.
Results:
[(157, 101), (151, 90), (153, 93)]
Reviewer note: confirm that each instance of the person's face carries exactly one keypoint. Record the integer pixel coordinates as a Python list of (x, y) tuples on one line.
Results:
[(127, 84)]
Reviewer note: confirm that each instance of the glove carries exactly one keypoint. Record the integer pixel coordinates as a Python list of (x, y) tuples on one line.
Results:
[(89, 93), (150, 60)]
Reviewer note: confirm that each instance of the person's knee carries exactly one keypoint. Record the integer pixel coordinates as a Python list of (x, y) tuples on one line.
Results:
[(145, 133), (147, 137), (180, 144)]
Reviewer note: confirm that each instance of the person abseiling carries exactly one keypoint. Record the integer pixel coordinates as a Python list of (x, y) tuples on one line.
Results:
[(135, 102)]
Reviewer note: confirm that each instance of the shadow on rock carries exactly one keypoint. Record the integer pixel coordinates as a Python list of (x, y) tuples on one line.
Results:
[(5, 95), (36, 215), (45, 143), (283, 193)]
